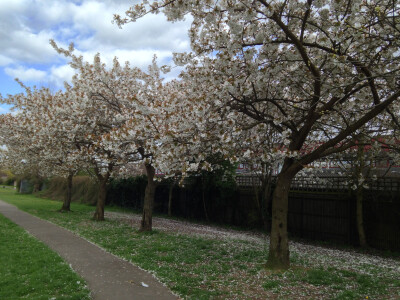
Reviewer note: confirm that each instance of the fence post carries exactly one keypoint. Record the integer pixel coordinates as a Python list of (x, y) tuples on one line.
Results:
[(302, 217), (351, 217)]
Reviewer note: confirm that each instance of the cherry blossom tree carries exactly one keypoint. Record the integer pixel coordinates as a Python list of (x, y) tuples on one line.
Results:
[(75, 128), (162, 126), (170, 129), (129, 118), (13, 139), (311, 70), (100, 98), (37, 136)]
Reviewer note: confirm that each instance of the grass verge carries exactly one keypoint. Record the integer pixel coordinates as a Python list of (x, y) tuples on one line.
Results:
[(196, 267), (30, 270)]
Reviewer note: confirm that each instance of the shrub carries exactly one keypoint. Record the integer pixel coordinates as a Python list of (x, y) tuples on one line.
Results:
[(84, 189)]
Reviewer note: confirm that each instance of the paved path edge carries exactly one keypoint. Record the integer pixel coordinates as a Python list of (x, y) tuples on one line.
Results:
[(108, 276)]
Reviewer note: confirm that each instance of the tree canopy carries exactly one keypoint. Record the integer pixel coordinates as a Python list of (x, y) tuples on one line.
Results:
[(280, 83)]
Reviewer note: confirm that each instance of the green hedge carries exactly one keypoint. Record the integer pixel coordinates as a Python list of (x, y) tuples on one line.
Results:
[(84, 189)]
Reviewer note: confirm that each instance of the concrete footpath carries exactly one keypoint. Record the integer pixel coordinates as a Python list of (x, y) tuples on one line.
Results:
[(108, 277)]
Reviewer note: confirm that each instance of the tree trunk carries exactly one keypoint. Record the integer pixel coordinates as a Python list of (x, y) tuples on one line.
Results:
[(279, 245), (101, 200), (360, 218), (36, 188), (203, 197), (67, 199), (171, 189), (147, 216)]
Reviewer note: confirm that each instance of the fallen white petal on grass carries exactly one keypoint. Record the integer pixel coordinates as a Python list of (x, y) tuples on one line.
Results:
[(312, 255)]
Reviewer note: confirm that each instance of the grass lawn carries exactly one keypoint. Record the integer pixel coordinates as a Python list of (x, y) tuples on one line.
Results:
[(30, 270), (206, 267)]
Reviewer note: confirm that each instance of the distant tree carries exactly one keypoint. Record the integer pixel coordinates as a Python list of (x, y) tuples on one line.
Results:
[(98, 97), (357, 165), (37, 138)]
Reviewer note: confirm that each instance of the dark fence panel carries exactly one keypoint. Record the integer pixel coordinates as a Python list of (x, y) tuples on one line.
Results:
[(326, 210), (322, 216), (127, 192), (382, 219)]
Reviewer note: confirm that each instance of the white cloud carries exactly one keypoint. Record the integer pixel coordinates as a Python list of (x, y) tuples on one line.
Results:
[(150, 32), (59, 75), (4, 60), (28, 47), (24, 74), (21, 42), (27, 25)]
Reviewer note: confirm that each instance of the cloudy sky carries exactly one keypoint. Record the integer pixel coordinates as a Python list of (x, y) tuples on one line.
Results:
[(26, 26)]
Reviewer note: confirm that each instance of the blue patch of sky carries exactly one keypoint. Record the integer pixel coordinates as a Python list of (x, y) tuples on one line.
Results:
[(77, 2), (66, 33), (8, 85)]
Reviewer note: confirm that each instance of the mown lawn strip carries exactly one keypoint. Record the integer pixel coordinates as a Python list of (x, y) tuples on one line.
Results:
[(209, 268), (30, 270)]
